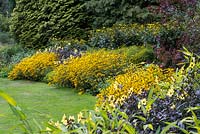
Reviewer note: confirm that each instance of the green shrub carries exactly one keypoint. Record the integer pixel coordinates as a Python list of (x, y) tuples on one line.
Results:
[(66, 48), (124, 35), (35, 22), (109, 12), (6, 7), (98, 122), (7, 52), (4, 71), (4, 23), (137, 54), (13, 54), (5, 38)]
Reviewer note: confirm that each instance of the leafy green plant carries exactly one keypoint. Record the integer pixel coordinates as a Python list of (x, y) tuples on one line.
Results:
[(99, 122), (187, 125), (7, 52), (63, 19), (124, 35), (4, 23), (25, 125), (67, 48), (11, 55), (4, 71), (6, 7), (109, 12), (169, 100), (6, 39)]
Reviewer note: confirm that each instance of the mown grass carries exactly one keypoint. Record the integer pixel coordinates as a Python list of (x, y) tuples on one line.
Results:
[(41, 102)]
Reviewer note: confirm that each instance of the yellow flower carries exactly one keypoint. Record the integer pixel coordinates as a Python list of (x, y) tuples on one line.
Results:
[(34, 67), (80, 117), (57, 124), (148, 108), (48, 129), (170, 91), (71, 118), (143, 101), (64, 118), (135, 80), (173, 106)]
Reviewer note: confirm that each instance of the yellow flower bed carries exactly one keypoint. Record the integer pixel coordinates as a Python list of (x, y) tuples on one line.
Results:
[(134, 81), (88, 71), (35, 67)]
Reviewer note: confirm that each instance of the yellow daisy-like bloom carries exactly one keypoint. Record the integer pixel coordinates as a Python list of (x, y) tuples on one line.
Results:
[(80, 117), (64, 118), (71, 118), (143, 101)]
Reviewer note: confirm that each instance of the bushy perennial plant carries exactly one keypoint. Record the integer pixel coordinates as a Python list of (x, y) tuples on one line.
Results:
[(124, 35), (66, 48), (135, 81), (93, 122), (170, 104), (35, 67), (88, 71)]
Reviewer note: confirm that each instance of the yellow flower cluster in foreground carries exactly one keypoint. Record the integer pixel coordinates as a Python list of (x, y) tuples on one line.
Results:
[(134, 81), (35, 67), (88, 71)]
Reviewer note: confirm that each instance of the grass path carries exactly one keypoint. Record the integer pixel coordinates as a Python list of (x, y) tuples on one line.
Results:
[(40, 101)]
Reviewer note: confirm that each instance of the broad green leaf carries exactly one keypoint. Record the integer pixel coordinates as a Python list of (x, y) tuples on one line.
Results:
[(141, 118), (158, 130), (9, 99), (164, 131), (129, 128)]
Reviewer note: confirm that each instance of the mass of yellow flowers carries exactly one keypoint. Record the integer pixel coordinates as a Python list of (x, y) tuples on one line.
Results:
[(35, 67), (134, 81), (89, 70)]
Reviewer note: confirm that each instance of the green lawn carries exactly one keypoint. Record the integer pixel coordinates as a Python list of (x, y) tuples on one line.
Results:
[(40, 101)]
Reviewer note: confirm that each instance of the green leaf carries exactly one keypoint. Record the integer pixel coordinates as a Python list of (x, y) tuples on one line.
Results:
[(164, 131), (129, 129), (9, 99), (141, 118), (158, 130), (150, 126)]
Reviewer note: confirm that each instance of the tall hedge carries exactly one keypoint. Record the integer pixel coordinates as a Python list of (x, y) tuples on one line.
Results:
[(35, 22), (108, 12)]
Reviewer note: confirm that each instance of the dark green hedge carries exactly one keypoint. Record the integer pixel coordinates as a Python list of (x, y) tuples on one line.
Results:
[(35, 22), (109, 12)]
